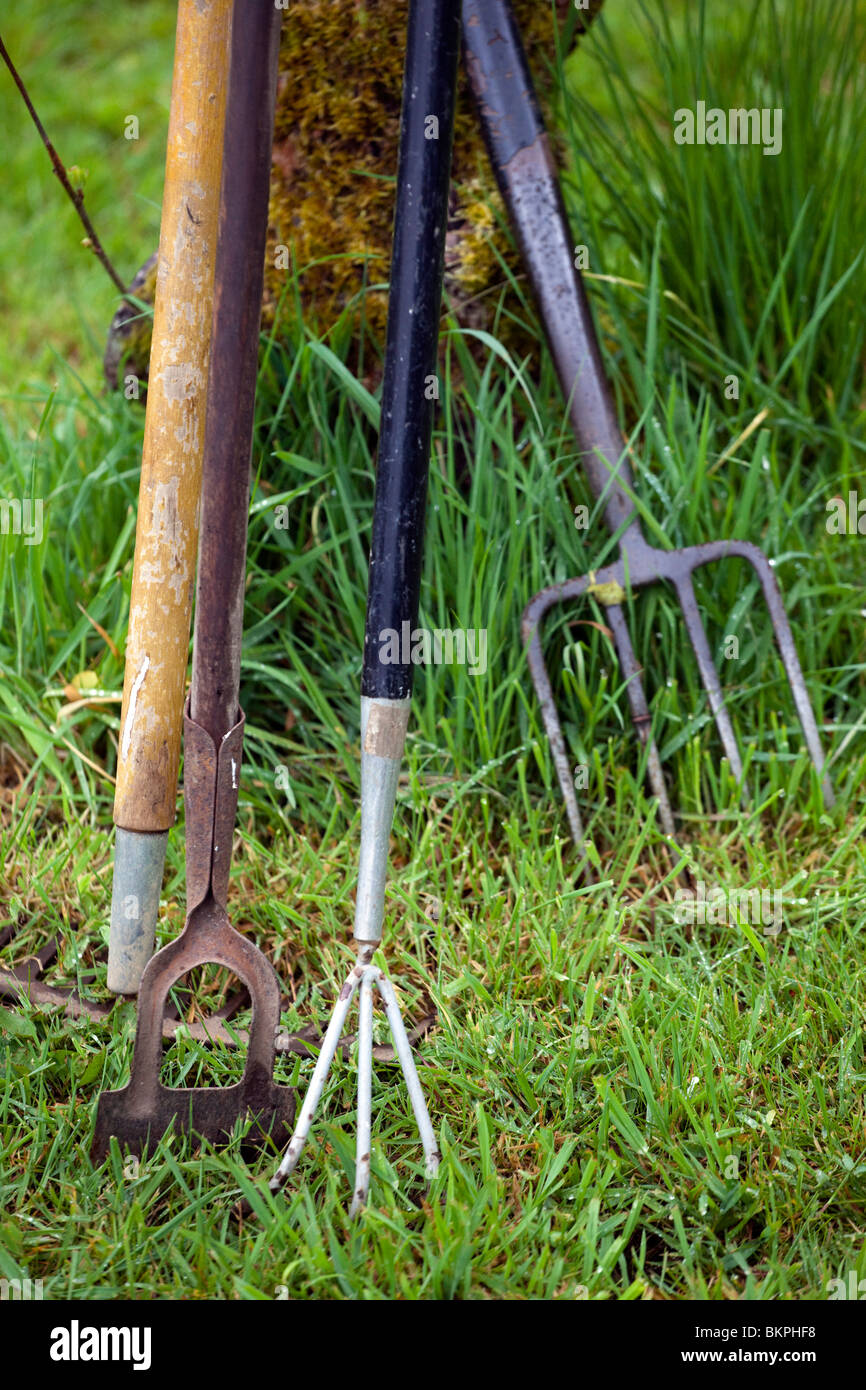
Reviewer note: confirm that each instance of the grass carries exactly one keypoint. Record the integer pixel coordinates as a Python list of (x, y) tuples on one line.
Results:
[(85, 73), (630, 1105)]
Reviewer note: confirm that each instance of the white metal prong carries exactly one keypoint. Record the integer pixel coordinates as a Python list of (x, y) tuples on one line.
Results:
[(407, 1062), (368, 977), (365, 1092), (330, 1043)]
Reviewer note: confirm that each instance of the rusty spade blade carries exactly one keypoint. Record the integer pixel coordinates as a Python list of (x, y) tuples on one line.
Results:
[(519, 150), (143, 1110)]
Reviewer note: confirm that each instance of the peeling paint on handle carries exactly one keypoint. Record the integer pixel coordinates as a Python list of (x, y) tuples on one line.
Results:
[(130, 713), (166, 539)]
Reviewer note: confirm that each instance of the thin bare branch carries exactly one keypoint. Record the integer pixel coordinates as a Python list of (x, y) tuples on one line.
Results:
[(76, 195)]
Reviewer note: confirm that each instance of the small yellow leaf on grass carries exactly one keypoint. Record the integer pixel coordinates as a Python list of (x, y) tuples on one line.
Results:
[(608, 594), (85, 680)]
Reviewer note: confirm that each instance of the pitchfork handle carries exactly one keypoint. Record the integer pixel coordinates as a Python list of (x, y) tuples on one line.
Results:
[(520, 154)]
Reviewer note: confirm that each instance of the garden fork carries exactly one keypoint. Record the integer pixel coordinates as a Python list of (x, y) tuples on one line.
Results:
[(519, 151)]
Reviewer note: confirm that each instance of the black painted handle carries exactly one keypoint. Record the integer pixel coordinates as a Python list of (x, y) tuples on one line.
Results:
[(414, 301)]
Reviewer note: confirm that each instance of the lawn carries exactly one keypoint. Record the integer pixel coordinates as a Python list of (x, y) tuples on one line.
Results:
[(631, 1104)]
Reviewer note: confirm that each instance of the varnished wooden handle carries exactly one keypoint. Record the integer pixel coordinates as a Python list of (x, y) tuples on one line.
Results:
[(166, 537)]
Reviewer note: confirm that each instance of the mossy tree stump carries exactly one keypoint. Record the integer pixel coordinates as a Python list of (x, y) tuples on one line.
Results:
[(332, 182)]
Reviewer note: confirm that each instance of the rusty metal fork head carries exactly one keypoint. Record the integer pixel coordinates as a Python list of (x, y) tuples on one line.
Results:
[(640, 565), (144, 1109)]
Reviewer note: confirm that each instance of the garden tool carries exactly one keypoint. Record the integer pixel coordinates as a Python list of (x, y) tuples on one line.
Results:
[(213, 721), (524, 168), (157, 648), (408, 392)]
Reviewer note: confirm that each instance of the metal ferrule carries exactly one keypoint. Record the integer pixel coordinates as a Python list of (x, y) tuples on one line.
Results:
[(383, 734), (139, 861)]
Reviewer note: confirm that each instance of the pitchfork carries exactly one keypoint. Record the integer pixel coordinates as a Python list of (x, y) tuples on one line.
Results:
[(524, 167)]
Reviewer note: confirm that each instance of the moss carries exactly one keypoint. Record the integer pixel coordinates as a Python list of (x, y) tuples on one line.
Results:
[(336, 135), (332, 181)]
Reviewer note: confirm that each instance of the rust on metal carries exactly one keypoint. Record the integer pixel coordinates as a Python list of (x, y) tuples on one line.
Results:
[(144, 1109)]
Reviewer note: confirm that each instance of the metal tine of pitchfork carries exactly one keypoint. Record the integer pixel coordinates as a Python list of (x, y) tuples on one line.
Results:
[(414, 304), (524, 167)]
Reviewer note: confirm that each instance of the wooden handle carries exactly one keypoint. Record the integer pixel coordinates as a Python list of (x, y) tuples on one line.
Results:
[(166, 537)]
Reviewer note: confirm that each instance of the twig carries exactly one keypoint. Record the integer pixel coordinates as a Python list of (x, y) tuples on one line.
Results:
[(740, 439), (306, 1043), (76, 195)]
